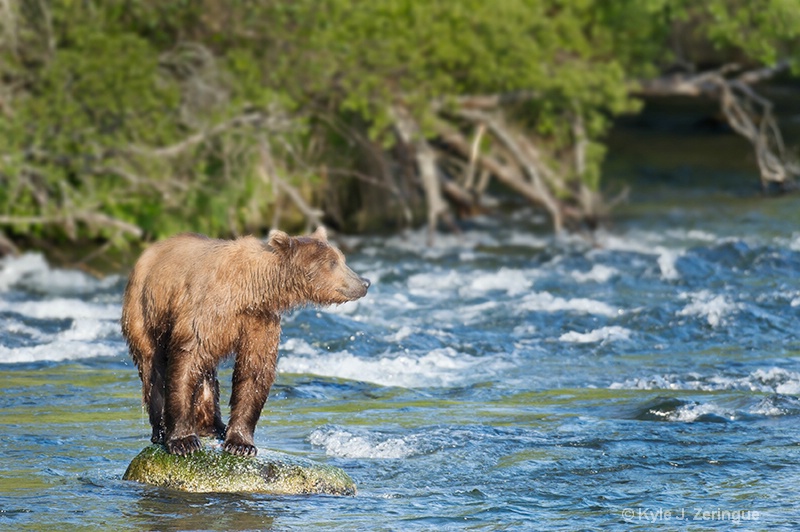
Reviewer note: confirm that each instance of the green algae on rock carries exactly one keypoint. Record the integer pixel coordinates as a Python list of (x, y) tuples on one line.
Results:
[(211, 470)]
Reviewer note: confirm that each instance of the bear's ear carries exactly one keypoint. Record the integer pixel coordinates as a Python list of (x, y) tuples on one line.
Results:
[(279, 240), (320, 234)]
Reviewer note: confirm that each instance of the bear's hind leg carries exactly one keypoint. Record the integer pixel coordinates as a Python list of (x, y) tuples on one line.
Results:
[(181, 387), (150, 360), (253, 375), (155, 391), (208, 419)]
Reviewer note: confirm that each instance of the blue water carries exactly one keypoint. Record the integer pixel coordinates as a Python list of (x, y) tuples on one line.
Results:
[(501, 380)]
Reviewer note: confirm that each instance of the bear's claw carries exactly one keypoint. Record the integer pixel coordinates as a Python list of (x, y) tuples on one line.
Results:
[(158, 435), (183, 446), (240, 449)]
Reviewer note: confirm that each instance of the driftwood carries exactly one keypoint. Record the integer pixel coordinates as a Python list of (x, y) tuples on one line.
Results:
[(409, 134), (510, 175), (748, 113), (496, 149)]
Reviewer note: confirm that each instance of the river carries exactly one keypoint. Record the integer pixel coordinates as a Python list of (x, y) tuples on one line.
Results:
[(503, 379)]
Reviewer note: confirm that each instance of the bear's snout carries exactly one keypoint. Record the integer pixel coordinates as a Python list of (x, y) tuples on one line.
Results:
[(355, 286)]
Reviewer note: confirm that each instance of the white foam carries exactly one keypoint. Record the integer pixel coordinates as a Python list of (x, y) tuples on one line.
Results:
[(57, 351), (526, 330), (83, 339), (89, 322), (706, 305), (400, 334), (546, 302), (298, 346), (691, 412), (646, 244), (434, 284), (702, 236), (345, 444), (437, 368), (656, 382), (348, 308), (667, 258), (782, 381), (63, 308), (31, 271), (603, 334), (794, 244), (775, 405), (89, 330), (470, 284), (416, 241), (768, 410), (528, 240), (599, 273), (464, 314), (772, 380), (13, 269), (513, 282), (374, 306), (17, 327)]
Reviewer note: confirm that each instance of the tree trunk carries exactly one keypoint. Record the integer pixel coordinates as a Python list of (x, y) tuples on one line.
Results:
[(409, 133)]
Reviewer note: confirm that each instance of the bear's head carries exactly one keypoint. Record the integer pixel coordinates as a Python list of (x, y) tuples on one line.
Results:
[(317, 268)]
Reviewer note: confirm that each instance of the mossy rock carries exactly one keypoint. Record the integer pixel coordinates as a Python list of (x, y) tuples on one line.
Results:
[(211, 470)]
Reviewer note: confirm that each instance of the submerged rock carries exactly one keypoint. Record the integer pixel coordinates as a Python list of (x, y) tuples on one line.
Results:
[(211, 470)]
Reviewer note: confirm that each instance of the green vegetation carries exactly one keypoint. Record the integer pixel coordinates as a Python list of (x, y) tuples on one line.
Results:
[(135, 119)]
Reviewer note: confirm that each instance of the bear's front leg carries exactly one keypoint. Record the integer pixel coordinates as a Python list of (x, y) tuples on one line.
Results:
[(181, 385), (253, 375)]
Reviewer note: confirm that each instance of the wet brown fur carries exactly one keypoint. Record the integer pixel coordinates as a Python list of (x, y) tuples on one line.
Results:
[(192, 300)]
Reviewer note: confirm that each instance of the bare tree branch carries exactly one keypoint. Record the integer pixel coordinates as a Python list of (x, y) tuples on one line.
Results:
[(263, 121), (485, 102), (89, 218), (270, 174), (529, 160), (508, 175), (748, 113), (469, 178), (752, 77), (409, 133)]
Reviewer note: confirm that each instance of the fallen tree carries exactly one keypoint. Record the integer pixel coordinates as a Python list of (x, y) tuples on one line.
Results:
[(512, 157), (748, 113)]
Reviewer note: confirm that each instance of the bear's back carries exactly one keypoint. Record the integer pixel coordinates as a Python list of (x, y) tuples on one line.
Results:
[(191, 274)]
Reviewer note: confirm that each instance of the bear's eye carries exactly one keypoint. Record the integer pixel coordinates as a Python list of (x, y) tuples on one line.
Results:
[(333, 263)]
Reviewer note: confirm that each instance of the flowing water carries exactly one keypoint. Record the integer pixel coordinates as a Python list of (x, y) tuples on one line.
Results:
[(503, 379)]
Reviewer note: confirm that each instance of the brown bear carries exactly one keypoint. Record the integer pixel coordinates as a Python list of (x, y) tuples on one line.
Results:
[(192, 300)]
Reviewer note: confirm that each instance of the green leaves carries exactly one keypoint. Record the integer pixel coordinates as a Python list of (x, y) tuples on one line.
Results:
[(128, 107)]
